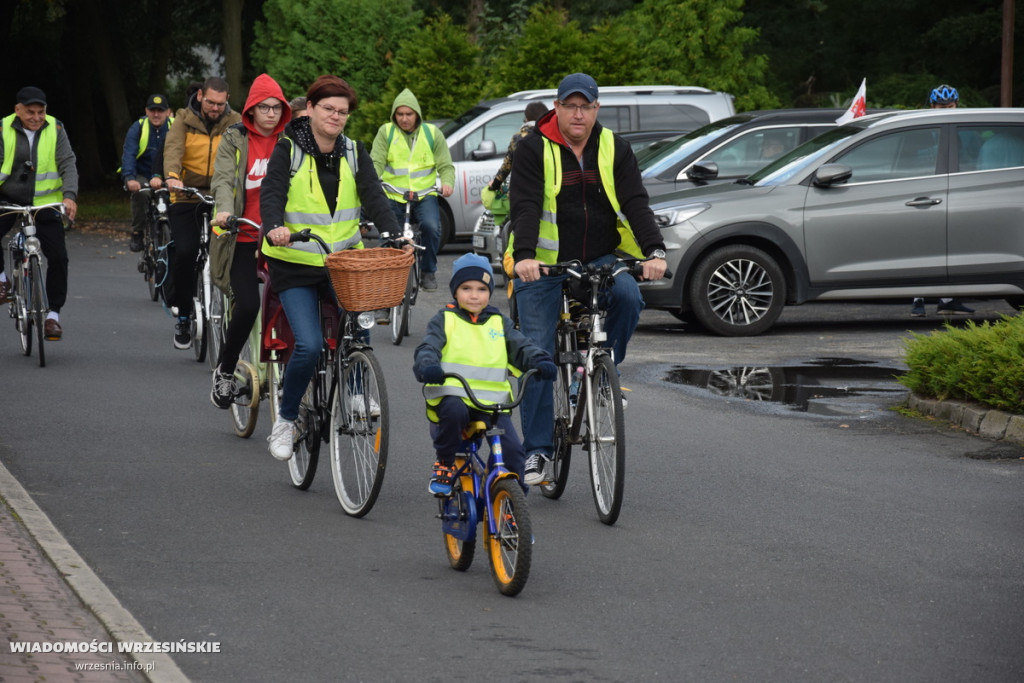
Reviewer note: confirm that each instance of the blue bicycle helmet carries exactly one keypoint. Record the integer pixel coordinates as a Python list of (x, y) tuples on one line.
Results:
[(944, 94)]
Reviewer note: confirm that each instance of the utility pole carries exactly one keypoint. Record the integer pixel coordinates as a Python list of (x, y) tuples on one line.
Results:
[(1006, 88)]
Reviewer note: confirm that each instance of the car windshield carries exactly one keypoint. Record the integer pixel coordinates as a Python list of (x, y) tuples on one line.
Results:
[(461, 120), (651, 148), (666, 157), (793, 164)]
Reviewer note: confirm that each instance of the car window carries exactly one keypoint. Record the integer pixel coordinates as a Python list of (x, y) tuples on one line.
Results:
[(671, 117), (684, 146), (616, 118), (750, 151), (903, 154), (989, 147), (500, 130), (461, 120)]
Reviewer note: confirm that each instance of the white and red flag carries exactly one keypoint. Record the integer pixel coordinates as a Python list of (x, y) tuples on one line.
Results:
[(858, 107)]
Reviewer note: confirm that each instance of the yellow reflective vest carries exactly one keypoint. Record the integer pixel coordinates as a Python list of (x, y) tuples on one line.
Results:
[(478, 353), (306, 207), (413, 169), (48, 180), (547, 238)]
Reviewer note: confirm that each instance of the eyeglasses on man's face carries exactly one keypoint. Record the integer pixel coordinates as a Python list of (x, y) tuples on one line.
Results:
[(269, 108), (578, 108), (331, 111)]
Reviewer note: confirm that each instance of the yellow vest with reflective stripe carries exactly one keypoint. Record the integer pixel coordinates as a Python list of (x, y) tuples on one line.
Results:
[(478, 353), (48, 180), (407, 169), (144, 136), (306, 207), (547, 238)]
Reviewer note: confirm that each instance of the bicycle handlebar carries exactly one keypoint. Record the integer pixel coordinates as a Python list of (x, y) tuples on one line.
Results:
[(195, 192), (231, 225), (494, 407), (408, 195), (29, 210), (578, 270)]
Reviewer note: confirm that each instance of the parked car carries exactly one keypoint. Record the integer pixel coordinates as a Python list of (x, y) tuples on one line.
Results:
[(479, 138), (894, 205), (643, 140), (731, 148)]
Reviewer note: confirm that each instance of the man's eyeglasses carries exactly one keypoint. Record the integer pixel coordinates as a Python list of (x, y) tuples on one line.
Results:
[(578, 108), (269, 108), (27, 168), (331, 111), (215, 105)]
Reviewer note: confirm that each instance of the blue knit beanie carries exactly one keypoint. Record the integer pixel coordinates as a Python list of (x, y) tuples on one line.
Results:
[(471, 267)]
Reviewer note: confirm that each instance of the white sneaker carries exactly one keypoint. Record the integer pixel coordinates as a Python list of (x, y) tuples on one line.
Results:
[(358, 406), (282, 440)]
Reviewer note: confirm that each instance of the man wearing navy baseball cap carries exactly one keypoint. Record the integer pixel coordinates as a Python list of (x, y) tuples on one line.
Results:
[(38, 166), (575, 194), (143, 148)]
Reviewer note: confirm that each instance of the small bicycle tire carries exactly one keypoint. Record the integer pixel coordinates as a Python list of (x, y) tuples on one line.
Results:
[(456, 506), (245, 408), (199, 321), (607, 440), (359, 433), (562, 452), (510, 549), (38, 306), (302, 466)]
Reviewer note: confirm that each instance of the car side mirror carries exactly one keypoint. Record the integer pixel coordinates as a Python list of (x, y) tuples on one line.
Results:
[(831, 174), (486, 150), (703, 170)]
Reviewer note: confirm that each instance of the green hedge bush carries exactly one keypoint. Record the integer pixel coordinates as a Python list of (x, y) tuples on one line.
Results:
[(983, 363)]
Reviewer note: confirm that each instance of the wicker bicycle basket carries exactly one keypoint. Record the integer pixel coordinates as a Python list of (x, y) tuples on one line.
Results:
[(369, 279)]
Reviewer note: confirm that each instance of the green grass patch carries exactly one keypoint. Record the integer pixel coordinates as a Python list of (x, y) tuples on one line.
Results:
[(103, 206), (982, 363)]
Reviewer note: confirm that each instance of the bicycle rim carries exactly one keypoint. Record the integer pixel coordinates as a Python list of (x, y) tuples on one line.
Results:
[(245, 408), (21, 318), (38, 312), (607, 440), (510, 549), (562, 452), (302, 466), (359, 433), (200, 321)]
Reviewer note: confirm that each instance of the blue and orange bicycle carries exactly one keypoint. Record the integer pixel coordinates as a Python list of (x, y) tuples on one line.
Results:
[(487, 491)]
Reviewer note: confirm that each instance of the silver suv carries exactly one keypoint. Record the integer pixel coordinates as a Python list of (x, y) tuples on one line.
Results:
[(896, 205), (479, 138)]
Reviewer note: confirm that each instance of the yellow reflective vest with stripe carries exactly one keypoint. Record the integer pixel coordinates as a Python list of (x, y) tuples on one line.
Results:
[(547, 237), (478, 352), (48, 181), (306, 207), (413, 169)]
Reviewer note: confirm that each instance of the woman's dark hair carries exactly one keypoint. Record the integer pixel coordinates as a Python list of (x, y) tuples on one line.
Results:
[(332, 86)]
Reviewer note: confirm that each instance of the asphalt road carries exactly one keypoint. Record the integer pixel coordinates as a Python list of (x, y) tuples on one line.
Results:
[(755, 544)]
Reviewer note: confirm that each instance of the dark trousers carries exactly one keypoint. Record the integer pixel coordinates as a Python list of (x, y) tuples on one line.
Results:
[(186, 223), (50, 231), (245, 289), (453, 415)]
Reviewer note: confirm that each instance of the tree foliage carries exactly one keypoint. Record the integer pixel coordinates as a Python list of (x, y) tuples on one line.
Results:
[(300, 40)]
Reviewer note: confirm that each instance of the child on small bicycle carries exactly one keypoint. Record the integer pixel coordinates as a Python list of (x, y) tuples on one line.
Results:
[(474, 339)]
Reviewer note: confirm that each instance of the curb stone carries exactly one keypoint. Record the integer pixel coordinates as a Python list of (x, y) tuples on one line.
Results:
[(972, 417)]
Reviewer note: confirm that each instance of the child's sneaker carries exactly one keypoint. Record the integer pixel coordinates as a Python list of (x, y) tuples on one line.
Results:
[(441, 479)]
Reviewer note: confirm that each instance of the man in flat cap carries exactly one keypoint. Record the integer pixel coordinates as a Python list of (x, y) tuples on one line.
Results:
[(37, 166), (143, 147)]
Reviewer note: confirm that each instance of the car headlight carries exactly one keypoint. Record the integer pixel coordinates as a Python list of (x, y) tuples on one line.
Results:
[(679, 214)]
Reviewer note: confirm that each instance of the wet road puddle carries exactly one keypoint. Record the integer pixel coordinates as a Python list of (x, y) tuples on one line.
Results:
[(820, 386)]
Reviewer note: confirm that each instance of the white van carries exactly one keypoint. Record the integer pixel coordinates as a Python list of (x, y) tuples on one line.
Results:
[(478, 139)]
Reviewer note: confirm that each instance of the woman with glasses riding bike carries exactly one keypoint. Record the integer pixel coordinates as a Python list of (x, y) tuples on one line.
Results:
[(317, 179), (238, 173)]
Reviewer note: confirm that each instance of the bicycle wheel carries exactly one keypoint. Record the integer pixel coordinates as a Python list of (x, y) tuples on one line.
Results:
[(200, 321), (245, 408), (562, 452), (400, 313), (218, 325), (606, 438), (416, 273), (38, 305), (302, 466), (275, 373), (456, 509), (148, 267), (511, 548), (161, 236), (359, 433), (19, 309)]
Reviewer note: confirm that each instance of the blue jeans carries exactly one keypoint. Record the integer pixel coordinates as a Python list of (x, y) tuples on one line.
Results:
[(427, 213), (301, 306), (539, 304)]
